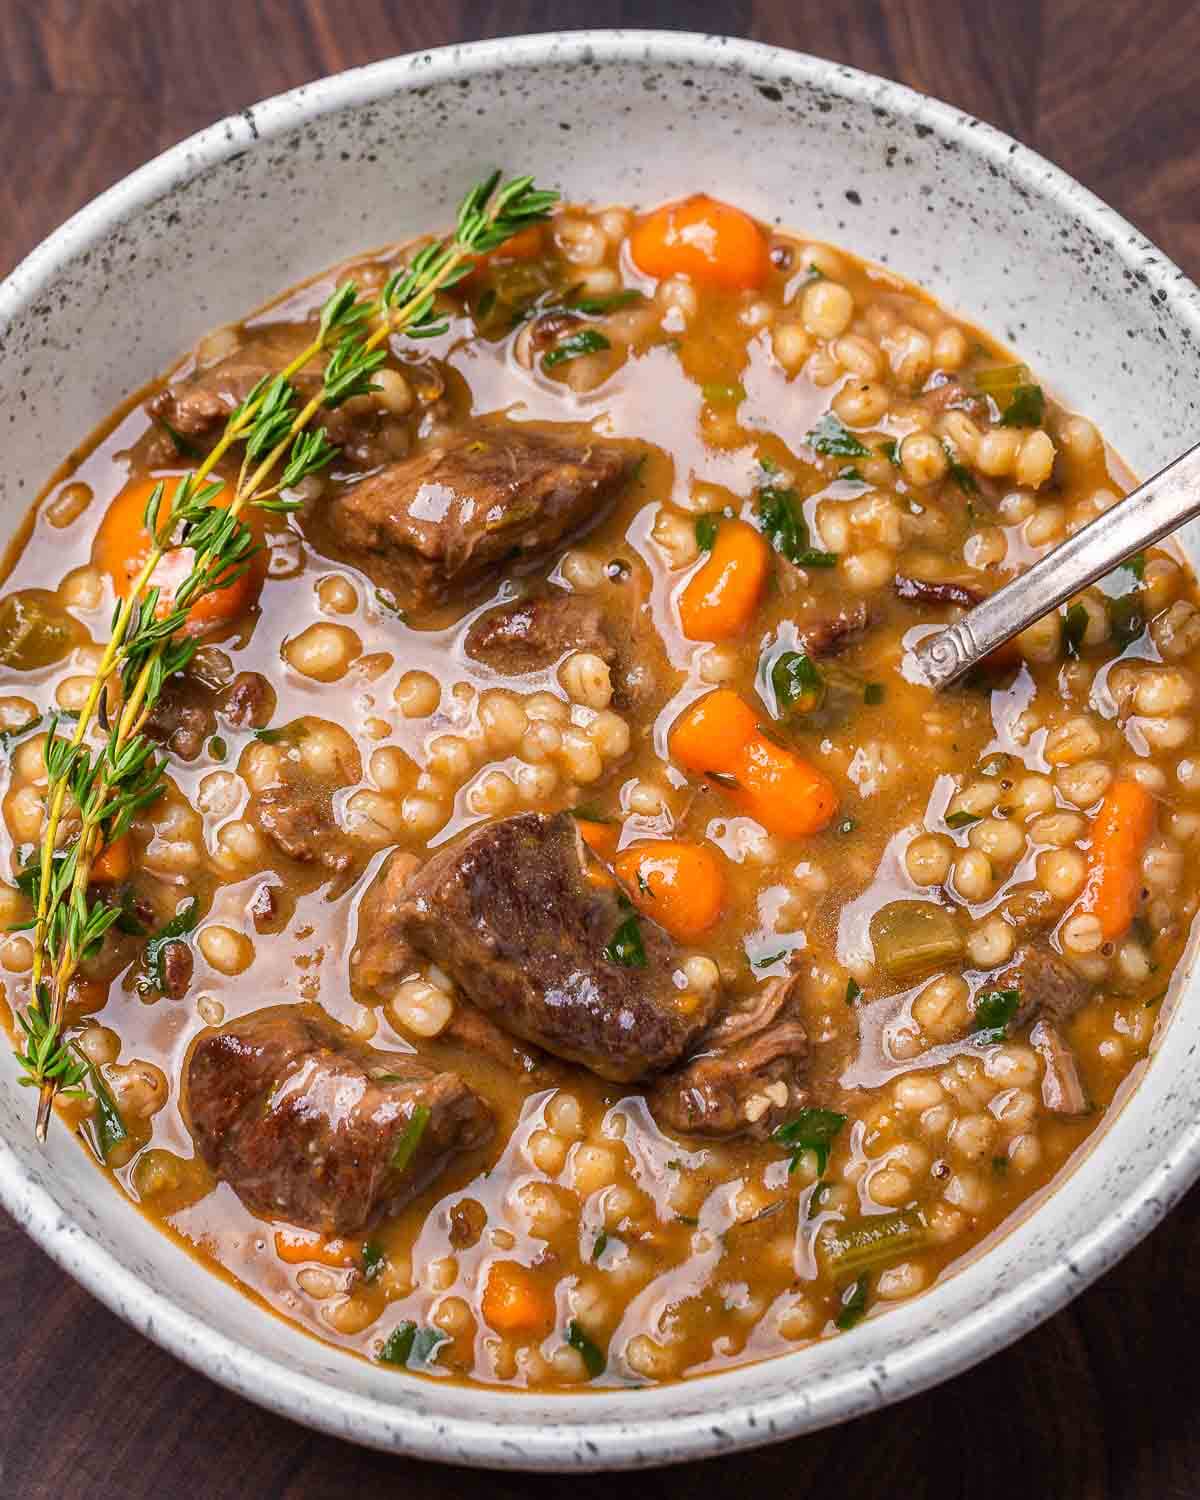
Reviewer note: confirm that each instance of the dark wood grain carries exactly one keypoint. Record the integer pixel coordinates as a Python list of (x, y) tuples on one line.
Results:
[(1101, 1403)]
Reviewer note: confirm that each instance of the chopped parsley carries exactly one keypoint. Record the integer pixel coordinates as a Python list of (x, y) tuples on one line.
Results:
[(592, 1355), (1075, 624), (873, 694), (962, 818), (959, 472), (596, 307), (583, 341), (588, 812), (626, 946), (797, 683), (176, 930), (373, 1260), (891, 451), (410, 1138), (853, 991), (706, 530), (812, 1130), (601, 1242), (217, 748), (833, 438), (1026, 409), (854, 1304), (784, 527), (409, 1345), (994, 1010)]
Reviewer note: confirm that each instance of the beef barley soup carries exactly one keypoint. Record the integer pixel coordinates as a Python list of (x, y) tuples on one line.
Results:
[(566, 946)]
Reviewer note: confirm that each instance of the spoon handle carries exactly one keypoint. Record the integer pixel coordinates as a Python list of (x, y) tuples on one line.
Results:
[(1145, 516)]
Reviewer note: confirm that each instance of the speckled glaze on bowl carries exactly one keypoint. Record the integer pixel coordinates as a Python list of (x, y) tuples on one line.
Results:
[(227, 218)]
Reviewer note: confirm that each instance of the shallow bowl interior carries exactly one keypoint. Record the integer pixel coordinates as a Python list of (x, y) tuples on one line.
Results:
[(228, 218)]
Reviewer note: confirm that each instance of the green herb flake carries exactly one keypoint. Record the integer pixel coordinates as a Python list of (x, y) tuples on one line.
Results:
[(854, 1304), (833, 438), (373, 1260), (706, 531), (959, 472), (812, 1130), (1136, 565), (9, 737), (993, 1011), (582, 341), (1075, 624), (873, 694), (588, 812), (175, 931), (596, 307), (962, 818), (891, 451), (626, 946), (1000, 1165), (410, 1138), (409, 1345), (592, 1355), (853, 991), (768, 960), (600, 1245), (1026, 409), (851, 475), (217, 748), (797, 683)]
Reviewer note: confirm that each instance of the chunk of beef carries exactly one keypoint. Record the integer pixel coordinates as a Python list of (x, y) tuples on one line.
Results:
[(1050, 993), (523, 920), (926, 591), (530, 634), (747, 1074), (945, 392), (177, 964), (828, 634), (248, 702), (194, 410), (182, 718), (437, 525), (1063, 1092), (1048, 987), (299, 821), (382, 956), (309, 1125)]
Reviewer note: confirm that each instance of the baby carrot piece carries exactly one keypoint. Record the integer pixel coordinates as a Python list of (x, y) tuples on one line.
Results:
[(601, 838), (514, 1301), (122, 545), (1120, 832), (711, 242), (680, 885), (113, 863), (296, 1247), (722, 595), (718, 735)]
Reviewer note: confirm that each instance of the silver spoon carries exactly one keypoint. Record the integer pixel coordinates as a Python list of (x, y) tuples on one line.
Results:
[(1146, 515)]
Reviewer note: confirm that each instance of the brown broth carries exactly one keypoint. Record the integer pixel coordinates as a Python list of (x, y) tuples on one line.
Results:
[(678, 1257)]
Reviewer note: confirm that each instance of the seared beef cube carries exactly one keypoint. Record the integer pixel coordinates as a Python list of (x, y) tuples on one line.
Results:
[(1049, 988), (382, 956), (1050, 993), (531, 634), (299, 821), (182, 717), (248, 702), (309, 1125), (930, 591), (435, 526), (826, 635), (747, 1075), (531, 930), (197, 408)]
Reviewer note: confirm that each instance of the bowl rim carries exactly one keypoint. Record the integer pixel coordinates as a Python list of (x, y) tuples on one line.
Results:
[(634, 1442)]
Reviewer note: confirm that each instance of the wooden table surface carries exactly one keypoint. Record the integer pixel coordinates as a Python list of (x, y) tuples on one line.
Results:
[(1104, 1400)]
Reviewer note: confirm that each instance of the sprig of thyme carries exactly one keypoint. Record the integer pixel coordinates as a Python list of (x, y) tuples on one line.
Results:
[(146, 643)]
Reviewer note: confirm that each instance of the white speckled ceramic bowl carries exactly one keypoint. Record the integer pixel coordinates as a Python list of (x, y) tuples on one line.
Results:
[(271, 195)]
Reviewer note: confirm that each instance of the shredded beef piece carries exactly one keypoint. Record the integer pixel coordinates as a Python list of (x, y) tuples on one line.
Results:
[(747, 1073), (926, 591), (829, 634), (309, 1125), (182, 717), (248, 702)]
